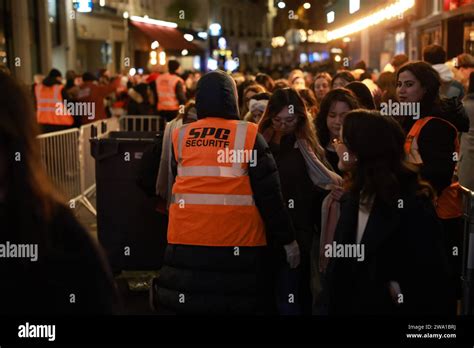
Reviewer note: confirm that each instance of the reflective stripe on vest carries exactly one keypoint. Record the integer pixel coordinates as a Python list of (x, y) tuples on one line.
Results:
[(235, 170), (211, 171), (449, 202), (212, 202), (212, 199), (166, 91), (49, 101)]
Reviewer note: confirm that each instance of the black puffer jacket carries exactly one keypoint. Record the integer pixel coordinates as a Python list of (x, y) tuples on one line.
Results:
[(213, 280)]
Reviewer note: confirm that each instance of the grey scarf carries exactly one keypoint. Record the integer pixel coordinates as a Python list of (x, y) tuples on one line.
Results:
[(164, 180)]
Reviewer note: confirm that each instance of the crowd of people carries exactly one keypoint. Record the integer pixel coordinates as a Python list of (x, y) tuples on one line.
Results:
[(334, 174)]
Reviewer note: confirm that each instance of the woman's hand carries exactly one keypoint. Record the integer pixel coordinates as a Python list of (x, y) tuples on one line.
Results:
[(336, 192)]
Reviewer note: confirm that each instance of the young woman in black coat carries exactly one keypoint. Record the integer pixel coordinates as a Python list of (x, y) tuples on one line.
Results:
[(418, 82), (388, 214), (286, 125)]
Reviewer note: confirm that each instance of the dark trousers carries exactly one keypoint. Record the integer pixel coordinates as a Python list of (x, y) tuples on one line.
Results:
[(292, 288)]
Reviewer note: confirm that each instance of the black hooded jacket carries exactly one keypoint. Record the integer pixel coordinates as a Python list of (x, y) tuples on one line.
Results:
[(213, 279)]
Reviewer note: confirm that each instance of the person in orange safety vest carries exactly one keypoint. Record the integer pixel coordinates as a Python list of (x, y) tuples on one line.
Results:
[(170, 92), (449, 202), (226, 208), (50, 97)]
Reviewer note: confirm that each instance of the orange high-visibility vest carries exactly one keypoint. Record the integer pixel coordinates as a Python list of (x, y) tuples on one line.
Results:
[(212, 202), (166, 90), (449, 202), (49, 106)]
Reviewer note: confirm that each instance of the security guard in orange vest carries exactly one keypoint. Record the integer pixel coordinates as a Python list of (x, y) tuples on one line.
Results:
[(226, 208), (50, 100), (170, 92), (449, 201), (436, 161)]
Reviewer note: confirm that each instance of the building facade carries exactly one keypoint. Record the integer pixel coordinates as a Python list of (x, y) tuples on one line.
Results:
[(25, 37), (88, 35), (449, 23), (382, 30)]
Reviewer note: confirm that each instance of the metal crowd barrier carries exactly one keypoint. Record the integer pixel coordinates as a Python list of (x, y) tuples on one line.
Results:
[(61, 159), (467, 302), (66, 155), (67, 159), (140, 123)]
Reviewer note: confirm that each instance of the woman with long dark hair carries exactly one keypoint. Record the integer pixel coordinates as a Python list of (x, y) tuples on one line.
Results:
[(418, 82), (303, 170), (69, 274), (387, 217), (432, 146), (334, 106)]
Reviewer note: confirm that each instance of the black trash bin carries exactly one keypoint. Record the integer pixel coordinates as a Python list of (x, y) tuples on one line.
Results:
[(130, 230)]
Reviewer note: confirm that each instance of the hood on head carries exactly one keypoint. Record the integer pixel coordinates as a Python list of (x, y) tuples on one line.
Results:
[(216, 96)]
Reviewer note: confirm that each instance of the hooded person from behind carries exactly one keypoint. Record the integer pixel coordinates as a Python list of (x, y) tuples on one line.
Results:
[(222, 214), (218, 98)]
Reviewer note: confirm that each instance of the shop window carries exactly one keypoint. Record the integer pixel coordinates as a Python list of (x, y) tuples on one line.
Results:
[(400, 42), (53, 18), (431, 36), (106, 53)]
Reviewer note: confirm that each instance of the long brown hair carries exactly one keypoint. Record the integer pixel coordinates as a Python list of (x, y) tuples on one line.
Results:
[(310, 100), (335, 95), (29, 190), (429, 80), (304, 128)]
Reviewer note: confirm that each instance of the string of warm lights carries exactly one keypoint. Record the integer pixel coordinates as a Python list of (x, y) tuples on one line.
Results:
[(386, 13), (153, 21)]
